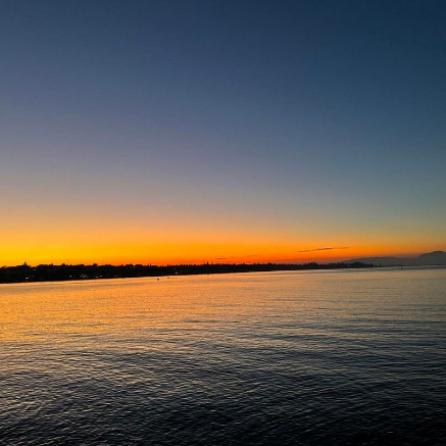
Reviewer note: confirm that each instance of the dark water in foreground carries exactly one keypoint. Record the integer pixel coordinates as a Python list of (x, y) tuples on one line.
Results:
[(311, 358)]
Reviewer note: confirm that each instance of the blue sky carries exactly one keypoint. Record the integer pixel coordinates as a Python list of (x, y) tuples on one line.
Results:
[(312, 121)]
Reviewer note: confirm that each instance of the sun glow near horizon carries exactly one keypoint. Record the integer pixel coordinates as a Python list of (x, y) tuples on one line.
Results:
[(141, 133), (83, 249)]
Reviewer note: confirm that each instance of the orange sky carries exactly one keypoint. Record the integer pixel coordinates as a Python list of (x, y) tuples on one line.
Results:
[(122, 232), (125, 242), (211, 137)]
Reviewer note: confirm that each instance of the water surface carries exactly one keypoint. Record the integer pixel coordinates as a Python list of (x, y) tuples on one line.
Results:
[(311, 358)]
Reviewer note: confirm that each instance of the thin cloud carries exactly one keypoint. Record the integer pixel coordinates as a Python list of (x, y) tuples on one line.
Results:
[(330, 248), (237, 257)]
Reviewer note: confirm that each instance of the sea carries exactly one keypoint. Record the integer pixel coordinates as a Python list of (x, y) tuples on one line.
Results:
[(345, 357)]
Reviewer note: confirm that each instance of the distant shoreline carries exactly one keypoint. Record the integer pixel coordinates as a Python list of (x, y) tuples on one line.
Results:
[(58, 273)]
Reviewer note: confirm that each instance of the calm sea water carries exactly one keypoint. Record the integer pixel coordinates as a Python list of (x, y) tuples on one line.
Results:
[(302, 358)]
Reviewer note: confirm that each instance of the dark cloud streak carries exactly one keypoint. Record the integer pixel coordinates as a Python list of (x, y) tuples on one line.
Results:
[(237, 257), (330, 248)]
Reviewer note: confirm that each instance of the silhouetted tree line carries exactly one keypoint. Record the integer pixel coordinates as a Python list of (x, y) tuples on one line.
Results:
[(50, 272)]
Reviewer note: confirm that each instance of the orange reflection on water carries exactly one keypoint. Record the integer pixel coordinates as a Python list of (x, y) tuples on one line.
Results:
[(129, 312), (73, 312)]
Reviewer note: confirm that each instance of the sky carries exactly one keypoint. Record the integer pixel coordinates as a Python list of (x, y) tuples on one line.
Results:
[(221, 131)]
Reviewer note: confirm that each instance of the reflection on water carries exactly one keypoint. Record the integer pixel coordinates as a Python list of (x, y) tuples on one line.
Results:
[(313, 358)]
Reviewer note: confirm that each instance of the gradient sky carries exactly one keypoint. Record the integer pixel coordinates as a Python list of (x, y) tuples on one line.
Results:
[(170, 131)]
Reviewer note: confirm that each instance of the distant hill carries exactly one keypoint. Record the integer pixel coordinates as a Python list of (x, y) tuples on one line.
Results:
[(433, 258), (426, 259)]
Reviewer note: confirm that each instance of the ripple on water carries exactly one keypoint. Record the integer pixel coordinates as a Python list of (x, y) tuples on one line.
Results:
[(348, 358)]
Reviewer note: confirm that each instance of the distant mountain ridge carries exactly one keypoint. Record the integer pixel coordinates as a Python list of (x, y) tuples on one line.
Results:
[(427, 259)]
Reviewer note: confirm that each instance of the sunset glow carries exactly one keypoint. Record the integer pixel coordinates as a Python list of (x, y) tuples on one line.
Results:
[(149, 143)]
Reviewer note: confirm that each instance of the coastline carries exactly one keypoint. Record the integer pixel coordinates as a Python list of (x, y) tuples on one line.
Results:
[(61, 273)]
